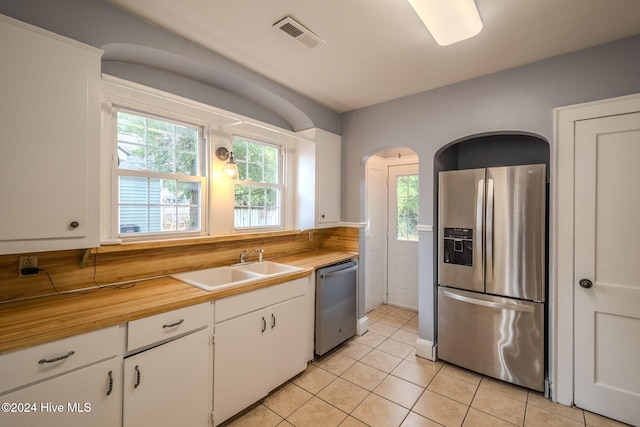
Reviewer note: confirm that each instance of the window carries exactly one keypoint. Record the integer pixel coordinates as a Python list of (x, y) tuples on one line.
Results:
[(160, 177), (258, 194), (407, 199)]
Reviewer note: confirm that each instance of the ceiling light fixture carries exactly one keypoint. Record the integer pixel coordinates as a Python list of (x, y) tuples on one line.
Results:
[(449, 21), (230, 169)]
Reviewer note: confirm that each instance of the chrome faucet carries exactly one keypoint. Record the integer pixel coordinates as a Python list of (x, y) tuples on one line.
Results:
[(244, 255)]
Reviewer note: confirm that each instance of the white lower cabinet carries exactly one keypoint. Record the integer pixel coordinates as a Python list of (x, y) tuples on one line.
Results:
[(160, 373), (170, 384), (90, 396), (260, 347), (74, 381)]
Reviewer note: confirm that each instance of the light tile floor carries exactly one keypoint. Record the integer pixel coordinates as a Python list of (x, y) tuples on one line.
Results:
[(377, 380)]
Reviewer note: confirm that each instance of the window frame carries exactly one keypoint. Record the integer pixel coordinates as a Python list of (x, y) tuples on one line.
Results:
[(219, 127), (280, 185), (203, 176), (410, 235)]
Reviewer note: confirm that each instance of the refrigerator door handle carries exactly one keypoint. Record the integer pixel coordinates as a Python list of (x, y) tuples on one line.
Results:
[(491, 304), (489, 233), (477, 250)]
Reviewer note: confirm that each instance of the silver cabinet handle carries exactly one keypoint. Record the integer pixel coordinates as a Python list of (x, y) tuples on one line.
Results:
[(492, 304), (173, 325), (56, 359)]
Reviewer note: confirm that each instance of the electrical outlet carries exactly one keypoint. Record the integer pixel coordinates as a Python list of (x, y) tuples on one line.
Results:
[(27, 261)]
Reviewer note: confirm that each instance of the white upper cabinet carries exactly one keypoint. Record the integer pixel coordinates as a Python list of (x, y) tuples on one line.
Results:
[(318, 185), (49, 140)]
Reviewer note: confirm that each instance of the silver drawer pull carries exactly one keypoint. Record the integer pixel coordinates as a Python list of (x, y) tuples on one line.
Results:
[(173, 325), (56, 359)]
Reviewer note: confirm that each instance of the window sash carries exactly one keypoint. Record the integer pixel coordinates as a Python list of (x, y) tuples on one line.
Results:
[(264, 215), (161, 202)]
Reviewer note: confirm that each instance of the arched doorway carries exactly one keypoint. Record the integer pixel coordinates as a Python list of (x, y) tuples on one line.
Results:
[(494, 231), (391, 240)]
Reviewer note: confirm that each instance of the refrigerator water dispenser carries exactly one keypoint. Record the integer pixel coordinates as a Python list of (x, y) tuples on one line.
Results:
[(458, 246)]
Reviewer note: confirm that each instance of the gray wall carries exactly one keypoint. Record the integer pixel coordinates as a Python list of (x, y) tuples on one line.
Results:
[(519, 100), (146, 54)]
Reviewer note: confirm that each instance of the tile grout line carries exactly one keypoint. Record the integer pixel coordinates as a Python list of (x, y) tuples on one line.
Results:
[(528, 402)]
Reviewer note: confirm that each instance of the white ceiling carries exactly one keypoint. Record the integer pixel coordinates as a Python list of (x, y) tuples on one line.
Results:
[(378, 50)]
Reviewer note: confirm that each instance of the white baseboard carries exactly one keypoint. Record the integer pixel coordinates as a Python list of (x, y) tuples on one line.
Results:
[(362, 326), (425, 349)]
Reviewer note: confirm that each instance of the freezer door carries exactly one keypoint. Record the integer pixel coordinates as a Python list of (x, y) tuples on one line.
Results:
[(498, 337), (460, 229), (515, 231)]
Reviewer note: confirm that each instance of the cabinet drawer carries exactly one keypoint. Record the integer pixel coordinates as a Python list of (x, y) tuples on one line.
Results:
[(33, 364), (236, 305), (150, 330)]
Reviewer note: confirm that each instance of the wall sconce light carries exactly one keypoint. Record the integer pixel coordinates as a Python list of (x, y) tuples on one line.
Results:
[(230, 170)]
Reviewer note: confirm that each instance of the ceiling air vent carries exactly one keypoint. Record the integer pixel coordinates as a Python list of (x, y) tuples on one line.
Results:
[(298, 31)]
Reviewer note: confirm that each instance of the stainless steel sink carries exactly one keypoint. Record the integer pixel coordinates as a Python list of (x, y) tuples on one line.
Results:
[(217, 278)]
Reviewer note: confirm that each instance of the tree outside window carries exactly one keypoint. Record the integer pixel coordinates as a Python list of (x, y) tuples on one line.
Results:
[(160, 180), (258, 195), (408, 199)]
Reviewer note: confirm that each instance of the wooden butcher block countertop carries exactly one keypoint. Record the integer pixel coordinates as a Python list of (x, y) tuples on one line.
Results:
[(35, 321)]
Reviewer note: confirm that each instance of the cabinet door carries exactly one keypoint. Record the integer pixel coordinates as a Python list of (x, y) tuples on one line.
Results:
[(287, 340), (91, 396), (169, 385), (241, 373), (328, 184), (49, 140)]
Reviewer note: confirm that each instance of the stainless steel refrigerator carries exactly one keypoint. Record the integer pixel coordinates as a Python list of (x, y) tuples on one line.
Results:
[(491, 272)]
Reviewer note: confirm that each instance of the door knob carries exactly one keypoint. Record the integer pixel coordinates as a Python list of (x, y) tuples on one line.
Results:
[(585, 283)]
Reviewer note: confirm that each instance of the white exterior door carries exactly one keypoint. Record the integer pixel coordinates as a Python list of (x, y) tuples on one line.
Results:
[(376, 231), (402, 267), (607, 267)]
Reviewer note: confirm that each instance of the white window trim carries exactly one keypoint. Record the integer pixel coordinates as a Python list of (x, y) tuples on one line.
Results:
[(219, 126), (202, 178), (282, 167)]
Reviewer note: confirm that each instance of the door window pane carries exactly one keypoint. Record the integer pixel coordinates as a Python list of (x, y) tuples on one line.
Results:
[(407, 205)]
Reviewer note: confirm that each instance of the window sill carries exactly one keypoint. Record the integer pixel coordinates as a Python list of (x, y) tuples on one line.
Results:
[(190, 241)]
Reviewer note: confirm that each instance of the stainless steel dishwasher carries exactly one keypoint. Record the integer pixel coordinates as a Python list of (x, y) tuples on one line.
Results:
[(336, 288)]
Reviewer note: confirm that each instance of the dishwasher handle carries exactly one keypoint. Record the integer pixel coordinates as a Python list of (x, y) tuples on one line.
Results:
[(338, 272)]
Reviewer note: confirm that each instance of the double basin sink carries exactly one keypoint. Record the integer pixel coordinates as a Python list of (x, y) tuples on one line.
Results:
[(216, 278)]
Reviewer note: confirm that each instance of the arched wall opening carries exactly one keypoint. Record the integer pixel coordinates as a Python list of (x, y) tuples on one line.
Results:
[(485, 151), (388, 217)]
